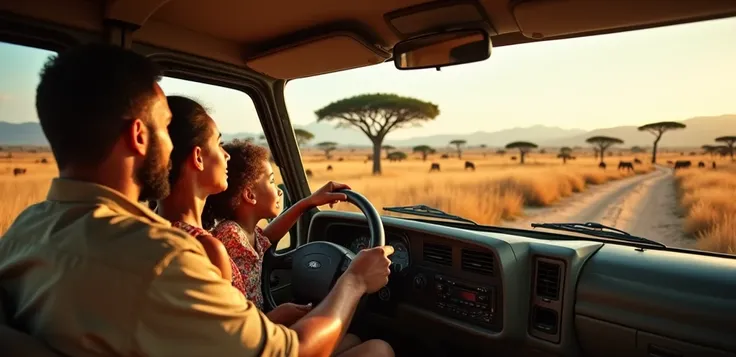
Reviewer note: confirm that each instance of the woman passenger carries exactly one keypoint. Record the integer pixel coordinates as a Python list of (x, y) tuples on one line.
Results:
[(198, 169)]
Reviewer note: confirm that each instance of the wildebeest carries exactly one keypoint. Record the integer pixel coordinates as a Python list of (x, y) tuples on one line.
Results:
[(637, 161), (625, 165), (308, 172), (513, 158), (469, 165), (435, 167), (340, 159), (701, 164), (18, 171), (602, 165), (329, 167), (445, 156), (682, 164)]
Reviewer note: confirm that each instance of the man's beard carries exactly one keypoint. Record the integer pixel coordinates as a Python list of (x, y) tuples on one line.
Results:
[(153, 176)]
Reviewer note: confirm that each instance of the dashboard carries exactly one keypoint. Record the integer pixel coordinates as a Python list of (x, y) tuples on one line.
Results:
[(526, 293)]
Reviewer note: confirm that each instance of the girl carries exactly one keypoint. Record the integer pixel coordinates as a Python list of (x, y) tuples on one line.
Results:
[(251, 196), (198, 169)]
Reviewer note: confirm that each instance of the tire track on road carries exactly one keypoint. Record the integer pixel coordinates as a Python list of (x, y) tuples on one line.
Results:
[(643, 205)]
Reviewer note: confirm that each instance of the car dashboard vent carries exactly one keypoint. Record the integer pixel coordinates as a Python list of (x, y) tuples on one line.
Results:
[(477, 262), (548, 280), (438, 254)]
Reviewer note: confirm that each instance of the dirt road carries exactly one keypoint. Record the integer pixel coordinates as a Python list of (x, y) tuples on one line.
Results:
[(643, 205)]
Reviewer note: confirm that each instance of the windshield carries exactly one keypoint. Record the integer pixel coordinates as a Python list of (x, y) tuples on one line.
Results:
[(558, 131)]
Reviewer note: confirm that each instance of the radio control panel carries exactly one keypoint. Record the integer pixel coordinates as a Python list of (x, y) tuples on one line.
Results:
[(461, 300)]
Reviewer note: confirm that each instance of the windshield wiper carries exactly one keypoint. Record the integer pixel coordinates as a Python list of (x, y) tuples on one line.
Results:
[(426, 211), (597, 230)]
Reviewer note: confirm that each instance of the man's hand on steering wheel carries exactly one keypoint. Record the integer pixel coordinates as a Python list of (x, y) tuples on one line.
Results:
[(371, 267)]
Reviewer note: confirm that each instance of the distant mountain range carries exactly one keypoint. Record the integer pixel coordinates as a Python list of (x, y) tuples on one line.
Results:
[(700, 131)]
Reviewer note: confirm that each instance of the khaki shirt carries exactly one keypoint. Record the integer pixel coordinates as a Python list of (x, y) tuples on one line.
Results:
[(90, 272)]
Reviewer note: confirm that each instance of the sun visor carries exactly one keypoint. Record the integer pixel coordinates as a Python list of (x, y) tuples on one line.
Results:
[(322, 55), (540, 19)]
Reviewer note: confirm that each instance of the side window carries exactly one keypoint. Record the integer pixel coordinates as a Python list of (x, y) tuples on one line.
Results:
[(234, 113), (26, 163)]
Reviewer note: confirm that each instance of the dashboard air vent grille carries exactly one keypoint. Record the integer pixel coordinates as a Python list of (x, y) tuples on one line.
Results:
[(548, 280), (438, 254), (477, 262)]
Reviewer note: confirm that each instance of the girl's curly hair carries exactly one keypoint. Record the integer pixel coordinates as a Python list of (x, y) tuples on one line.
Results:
[(243, 169)]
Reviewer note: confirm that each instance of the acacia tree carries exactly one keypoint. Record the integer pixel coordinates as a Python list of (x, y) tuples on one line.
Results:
[(565, 154), (658, 129), (425, 150), (376, 115), (328, 147), (303, 136), (523, 146), (710, 149), (602, 143), (637, 150), (388, 149), (397, 156), (729, 141), (483, 149), (458, 143)]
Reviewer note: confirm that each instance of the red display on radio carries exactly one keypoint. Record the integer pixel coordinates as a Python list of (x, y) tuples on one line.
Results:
[(467, 295)]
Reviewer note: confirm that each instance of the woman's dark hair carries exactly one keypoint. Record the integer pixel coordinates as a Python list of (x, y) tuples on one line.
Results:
[(243, 170), (189, 128)]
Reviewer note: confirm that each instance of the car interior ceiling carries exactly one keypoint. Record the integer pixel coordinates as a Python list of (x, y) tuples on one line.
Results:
[(457, 290)]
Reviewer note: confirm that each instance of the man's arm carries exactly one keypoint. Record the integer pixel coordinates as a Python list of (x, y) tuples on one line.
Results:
[(322, 328), (190, 310)]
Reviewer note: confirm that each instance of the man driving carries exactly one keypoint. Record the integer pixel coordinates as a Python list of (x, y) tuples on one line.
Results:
[(90, 270)]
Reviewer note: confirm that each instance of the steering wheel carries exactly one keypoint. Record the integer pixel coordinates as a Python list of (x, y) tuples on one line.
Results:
[(316, 266)]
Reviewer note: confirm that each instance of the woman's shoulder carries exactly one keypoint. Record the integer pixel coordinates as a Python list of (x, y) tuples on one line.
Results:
[(211, 244), (226, 227), (192, 230)]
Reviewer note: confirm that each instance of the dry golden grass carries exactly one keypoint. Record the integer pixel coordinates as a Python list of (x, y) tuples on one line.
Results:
[(709, 200), (17, 193), (499, 188)]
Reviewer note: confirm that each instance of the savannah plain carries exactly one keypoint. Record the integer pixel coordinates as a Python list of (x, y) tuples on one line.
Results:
[(689, 208)]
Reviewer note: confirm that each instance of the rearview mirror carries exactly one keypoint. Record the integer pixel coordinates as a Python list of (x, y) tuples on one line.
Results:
[(443, 49)]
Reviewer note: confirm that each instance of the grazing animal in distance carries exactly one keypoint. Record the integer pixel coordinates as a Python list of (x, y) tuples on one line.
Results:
[(308, 172), (602, 165), (625, 165), (701, 164), (513, 158), (435, 167), (637, 161), (714, 164), (469, 165), (682, 164), (18, 171), (329, 167)]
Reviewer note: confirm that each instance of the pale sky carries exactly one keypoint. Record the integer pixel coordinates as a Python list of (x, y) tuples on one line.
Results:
[(670, 73)]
